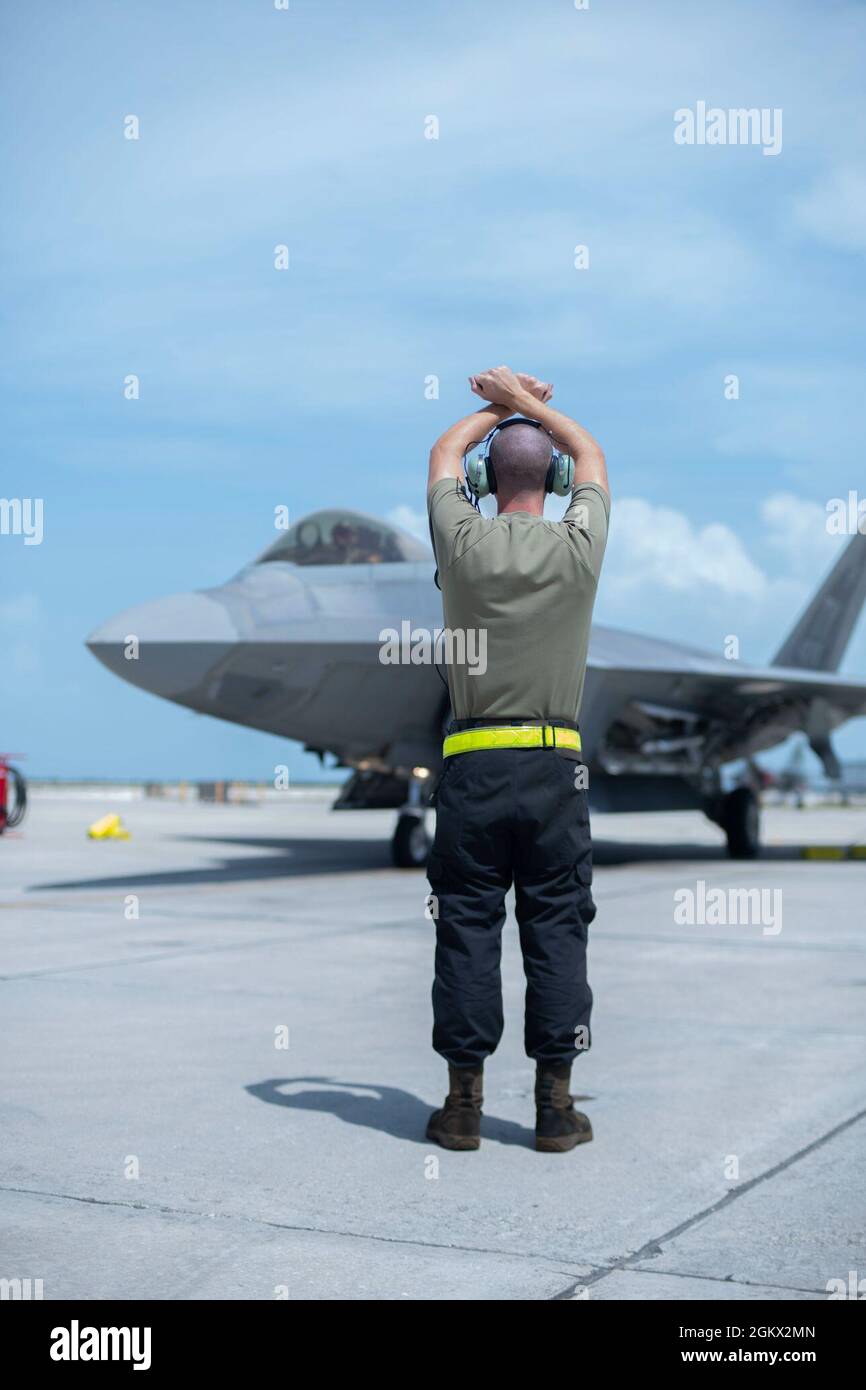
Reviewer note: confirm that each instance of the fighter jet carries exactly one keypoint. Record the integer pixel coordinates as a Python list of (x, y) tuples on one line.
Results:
[(294, 645)]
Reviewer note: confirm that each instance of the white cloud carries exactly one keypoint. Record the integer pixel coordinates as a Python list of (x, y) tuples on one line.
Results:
[(834, 210), (669, 576), (22, 610), (659, 546), (410, 520), (797, 529)]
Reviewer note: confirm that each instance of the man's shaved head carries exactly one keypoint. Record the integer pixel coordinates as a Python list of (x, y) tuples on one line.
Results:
[(520, 456)]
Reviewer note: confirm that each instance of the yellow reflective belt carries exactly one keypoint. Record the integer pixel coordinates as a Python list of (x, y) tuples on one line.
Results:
[(511, 736)]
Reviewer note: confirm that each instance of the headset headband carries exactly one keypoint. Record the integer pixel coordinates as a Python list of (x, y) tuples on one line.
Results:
[(481, 474), (514, 420)]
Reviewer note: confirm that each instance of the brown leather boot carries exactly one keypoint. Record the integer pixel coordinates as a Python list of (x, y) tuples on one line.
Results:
[(558, 1126), (458, 1124)]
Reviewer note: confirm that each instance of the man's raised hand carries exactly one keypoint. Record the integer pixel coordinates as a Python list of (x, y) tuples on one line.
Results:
[(541, 390), (502, 386)]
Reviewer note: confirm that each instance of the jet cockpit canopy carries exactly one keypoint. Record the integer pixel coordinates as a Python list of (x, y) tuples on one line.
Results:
[(340, 537)]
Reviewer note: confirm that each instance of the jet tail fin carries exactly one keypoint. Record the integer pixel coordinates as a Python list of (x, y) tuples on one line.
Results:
[(818, 639)]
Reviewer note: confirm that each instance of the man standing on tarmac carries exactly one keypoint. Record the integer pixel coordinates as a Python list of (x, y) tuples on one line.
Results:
[(511, 803)]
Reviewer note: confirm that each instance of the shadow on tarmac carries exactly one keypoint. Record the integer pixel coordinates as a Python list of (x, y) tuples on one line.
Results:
[(297, 858), (386, 1108), (291, 858)]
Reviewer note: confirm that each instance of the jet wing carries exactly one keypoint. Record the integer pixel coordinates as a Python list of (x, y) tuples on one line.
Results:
[(659, 701), (694, 680)]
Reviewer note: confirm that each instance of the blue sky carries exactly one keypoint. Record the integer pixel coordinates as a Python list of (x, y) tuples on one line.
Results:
[(411, 257)]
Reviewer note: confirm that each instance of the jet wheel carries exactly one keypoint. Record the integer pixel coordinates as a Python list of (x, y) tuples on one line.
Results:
[(410, 846), (741, 822)]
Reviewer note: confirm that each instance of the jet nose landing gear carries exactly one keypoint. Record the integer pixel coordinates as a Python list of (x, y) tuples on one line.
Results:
[(741, 822), (410, 846), (739, 814)]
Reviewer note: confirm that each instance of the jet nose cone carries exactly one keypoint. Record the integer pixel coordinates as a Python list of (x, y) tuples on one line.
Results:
[(167, 646)]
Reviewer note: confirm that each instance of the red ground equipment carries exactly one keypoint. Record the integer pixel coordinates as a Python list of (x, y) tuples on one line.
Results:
[(13, 795)]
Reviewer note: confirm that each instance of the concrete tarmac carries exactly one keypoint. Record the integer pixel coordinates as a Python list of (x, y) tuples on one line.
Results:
[(218, 1068)]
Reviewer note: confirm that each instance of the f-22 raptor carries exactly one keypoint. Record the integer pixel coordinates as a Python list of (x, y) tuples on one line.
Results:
[(292, 646)]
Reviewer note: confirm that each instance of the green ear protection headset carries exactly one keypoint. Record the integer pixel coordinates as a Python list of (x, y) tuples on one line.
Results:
[(481, 475)]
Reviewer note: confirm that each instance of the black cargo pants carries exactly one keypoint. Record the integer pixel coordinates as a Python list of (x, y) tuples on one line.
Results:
[(508, 815)]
